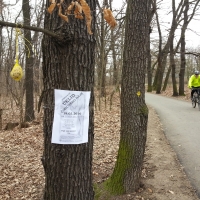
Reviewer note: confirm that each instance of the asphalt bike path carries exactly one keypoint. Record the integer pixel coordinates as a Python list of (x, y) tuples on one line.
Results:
[(181, 125)]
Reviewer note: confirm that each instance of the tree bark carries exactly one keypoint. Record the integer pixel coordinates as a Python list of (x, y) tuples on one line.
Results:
[(172, 61), (149, 70), (134, 112), (115, 70), (182, 55), (103, 61), (173, 67), (166, 78), (155, 82), (29, 107), (68, 65), (1, 51)]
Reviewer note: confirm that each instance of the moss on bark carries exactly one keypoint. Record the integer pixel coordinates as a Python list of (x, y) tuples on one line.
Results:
[(144, 110), (115, 184)]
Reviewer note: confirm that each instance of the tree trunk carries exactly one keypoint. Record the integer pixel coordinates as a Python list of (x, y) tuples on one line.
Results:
[(182, 68), (173, 67), (166, 78), (134, 112), (154, 85), (149, 70), (68, 64), (162, 60), (29, 107), (1, 53), (103, 61), (162, 55), (115, 70)]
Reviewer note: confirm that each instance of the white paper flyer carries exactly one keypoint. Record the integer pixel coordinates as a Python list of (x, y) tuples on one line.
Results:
[(71, 117)]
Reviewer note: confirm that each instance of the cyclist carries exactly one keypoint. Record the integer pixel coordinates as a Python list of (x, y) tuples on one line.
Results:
[(194, 82)]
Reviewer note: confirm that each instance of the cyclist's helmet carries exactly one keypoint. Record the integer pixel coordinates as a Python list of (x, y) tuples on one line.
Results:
[(196, 72)]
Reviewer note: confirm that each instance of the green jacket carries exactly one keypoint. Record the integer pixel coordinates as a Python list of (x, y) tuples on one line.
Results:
[(194, 81)]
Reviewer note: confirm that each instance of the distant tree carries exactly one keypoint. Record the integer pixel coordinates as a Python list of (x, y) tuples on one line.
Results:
[(1, 49), (172, 53), (187, 17), (108, 55), (29, 107), (178, 11), (149, 69)]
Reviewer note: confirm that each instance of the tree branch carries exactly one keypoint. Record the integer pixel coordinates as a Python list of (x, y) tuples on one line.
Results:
[(191, 53), (32, 28)]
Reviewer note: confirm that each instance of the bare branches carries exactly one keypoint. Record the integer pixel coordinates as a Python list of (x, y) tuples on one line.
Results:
[(191, 53)]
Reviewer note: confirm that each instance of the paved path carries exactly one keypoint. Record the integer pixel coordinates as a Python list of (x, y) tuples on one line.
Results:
[(181, 125)]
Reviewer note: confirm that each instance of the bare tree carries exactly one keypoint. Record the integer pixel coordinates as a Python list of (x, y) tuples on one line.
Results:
[(186, 20), (162, 55), (134, 112), (108, 49), (29, 108), (171, 48), (149, 69)]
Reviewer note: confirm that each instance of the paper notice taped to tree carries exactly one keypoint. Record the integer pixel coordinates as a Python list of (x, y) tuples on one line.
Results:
[(71, 117)]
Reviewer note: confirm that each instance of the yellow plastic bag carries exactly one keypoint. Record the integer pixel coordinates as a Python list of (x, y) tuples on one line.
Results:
[(17, 72)]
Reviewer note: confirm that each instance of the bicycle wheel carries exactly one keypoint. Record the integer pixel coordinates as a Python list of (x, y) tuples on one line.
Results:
[(194, 102)]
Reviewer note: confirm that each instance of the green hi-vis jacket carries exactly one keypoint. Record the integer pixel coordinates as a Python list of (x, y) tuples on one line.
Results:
[(194, 81)]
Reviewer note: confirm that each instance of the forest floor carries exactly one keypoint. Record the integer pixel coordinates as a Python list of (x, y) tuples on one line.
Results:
[(163, 178)]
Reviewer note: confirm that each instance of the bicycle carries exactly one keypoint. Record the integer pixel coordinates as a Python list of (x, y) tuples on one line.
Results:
[(196, 98)]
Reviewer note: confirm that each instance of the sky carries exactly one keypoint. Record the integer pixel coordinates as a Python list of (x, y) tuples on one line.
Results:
[(193, 31)]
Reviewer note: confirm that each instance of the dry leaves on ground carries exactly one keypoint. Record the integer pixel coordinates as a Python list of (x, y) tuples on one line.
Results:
[(21, 171)]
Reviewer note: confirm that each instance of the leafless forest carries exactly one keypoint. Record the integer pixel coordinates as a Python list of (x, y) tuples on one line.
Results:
[(122, 57)]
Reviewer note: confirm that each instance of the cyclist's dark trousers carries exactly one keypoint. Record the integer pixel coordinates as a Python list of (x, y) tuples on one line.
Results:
[(193, 91)]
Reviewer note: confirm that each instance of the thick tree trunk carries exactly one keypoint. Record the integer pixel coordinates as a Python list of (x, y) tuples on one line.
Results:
[(68, 65), (29, 108), (134, 112)]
